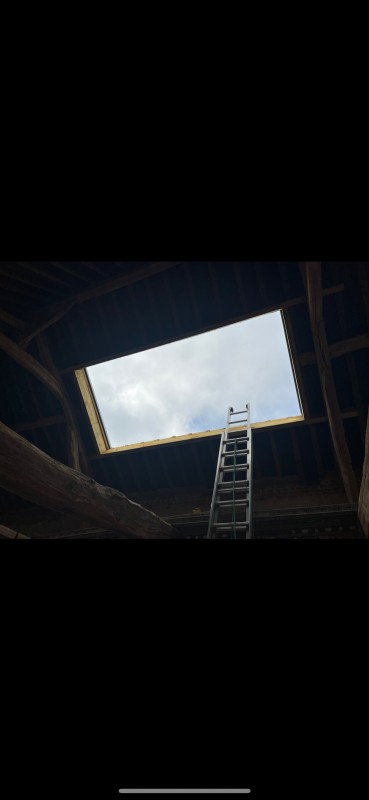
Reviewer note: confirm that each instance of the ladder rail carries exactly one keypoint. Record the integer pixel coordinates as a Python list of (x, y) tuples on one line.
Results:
[(249, 532), (213, 504)]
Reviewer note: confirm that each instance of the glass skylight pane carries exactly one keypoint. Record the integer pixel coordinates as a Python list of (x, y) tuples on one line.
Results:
[(187, 386)]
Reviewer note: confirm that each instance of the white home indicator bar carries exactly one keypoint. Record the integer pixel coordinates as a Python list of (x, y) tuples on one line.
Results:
[(184, 791)]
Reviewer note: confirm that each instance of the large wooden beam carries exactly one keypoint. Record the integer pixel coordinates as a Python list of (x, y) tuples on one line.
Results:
[(313, 283), (29, 473), (363, 506), (58, 310), (10, 534)]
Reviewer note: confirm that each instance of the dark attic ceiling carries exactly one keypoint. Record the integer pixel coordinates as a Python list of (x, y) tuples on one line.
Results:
[(109, 309)]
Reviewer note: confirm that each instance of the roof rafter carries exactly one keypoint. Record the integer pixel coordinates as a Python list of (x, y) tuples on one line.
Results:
[(56, 311), (313, 282)]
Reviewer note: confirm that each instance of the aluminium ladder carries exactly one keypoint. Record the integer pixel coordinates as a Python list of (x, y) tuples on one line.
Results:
[(230, 512)]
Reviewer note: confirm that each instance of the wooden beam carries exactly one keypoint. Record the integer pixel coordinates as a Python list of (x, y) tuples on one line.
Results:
[(31, 364), (45, 273), (315, 305), (76, 275), (52, 382), (94, 267), (363, 505), (15, 290), (29, 473), (350, 361), (13, 321), (75, 444), (9, 534), (27, 281), (364, 287), (339, 348), (43, 422), (58, 310)]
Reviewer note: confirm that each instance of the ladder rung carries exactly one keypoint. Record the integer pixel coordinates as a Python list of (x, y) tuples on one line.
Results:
[(230, 503), (235, 468), (230, 526), (235, 439), (237, 486), (236, 453), (237, 421)]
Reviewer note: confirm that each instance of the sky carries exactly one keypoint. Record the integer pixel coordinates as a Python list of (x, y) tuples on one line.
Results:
[(187, 386)]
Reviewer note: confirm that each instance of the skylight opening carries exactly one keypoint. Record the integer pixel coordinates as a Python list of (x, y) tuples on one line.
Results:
[(187, 386)]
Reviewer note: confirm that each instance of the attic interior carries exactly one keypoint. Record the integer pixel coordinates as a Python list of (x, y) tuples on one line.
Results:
[(59, 477)]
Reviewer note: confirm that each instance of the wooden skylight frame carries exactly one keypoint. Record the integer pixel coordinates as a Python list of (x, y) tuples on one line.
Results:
[(101, 437)]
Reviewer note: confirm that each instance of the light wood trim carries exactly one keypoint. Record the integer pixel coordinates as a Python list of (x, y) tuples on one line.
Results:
[(96, 422), (201, 435), (273, 424)]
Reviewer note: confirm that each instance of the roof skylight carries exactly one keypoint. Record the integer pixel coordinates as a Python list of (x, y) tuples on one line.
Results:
[(186, 386)]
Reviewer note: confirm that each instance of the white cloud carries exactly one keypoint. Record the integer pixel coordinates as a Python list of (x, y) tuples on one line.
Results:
[(187, 386)]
